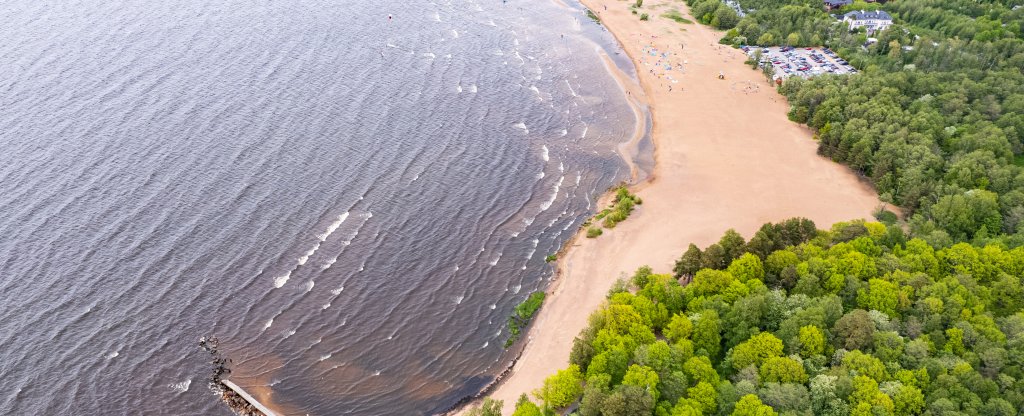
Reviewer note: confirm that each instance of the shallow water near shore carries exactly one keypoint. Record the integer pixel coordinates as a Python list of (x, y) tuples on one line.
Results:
[(353, 203)]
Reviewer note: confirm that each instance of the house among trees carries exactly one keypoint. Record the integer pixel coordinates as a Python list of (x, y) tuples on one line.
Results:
[(872, 21), (837, 4)]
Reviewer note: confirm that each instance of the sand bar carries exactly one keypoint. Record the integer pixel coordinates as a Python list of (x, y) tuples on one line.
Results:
[(726, 157)]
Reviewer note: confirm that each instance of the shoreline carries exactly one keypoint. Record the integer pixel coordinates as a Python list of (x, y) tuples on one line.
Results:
[(708, 176), (461, 406), (628, 150)]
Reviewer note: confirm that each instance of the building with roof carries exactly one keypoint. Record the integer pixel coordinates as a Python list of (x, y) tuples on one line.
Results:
[(735, 5), (872, 21), (836, 4)]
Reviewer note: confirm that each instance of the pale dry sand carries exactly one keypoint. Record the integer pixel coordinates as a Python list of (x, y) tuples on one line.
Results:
[(726, 157)]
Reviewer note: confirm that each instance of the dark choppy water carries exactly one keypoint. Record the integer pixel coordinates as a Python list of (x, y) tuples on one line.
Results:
[(354, 205)]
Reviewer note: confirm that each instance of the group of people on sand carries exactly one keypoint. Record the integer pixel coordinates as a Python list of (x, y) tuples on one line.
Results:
[(662, 63)]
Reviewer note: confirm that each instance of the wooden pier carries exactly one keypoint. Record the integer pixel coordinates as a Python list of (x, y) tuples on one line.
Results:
[(252, 400)]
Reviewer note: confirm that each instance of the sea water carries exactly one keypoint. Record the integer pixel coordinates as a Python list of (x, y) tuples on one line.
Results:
[(352, 195)]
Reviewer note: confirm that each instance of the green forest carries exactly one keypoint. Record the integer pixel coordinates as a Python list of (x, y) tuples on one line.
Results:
[(857, 320), (935, 118)]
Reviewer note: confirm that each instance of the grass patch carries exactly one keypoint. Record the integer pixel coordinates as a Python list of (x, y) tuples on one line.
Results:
[(593, 16), (644, 17), (886, 217), (551, 257), (522, 315), (622, 206), (678, 17)]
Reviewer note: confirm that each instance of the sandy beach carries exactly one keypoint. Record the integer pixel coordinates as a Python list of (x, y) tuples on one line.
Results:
[(726, 157)]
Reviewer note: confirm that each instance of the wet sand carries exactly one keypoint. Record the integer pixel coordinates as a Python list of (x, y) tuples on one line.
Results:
[(726, 157)]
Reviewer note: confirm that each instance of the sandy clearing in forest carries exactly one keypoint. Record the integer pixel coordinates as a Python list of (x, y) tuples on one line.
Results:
[(726, 157)]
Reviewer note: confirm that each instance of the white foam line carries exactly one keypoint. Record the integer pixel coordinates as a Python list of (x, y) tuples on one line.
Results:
[(328, 264), (366, 218), (281, 280), (334, 226), (554, 195), (305, 257), (532, 250), (181, 387), (537, 91)]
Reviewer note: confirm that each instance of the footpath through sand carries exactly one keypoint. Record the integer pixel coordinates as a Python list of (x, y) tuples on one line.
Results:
[(726, 157)]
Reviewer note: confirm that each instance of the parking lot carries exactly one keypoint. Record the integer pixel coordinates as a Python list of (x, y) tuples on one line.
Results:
[(802, 62)]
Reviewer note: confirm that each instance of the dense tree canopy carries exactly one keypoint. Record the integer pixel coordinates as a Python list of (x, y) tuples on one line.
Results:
[(868, 323), (714, 13)]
